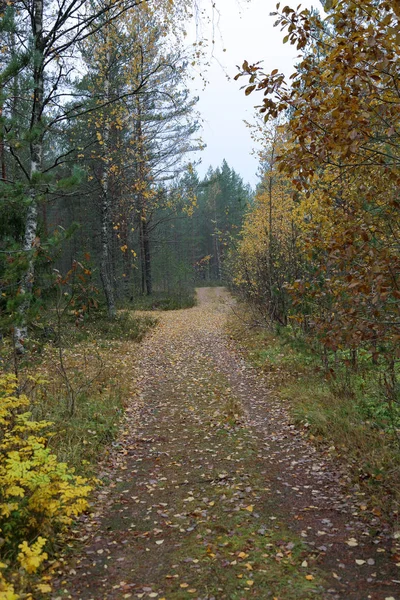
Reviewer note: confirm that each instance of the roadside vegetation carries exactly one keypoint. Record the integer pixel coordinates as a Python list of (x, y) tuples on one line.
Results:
[(60, 409), (184, 297), (318, 261), (345, 412)]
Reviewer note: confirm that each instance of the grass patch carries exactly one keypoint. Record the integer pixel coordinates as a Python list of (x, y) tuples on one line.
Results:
[(174, 300), (96, 373), (81, 439), (245, 560), (238, 547), (126, 326), (201, 283), (343, 410)]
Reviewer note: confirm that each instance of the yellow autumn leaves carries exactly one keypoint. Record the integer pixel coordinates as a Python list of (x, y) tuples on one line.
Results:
[(39, 495)]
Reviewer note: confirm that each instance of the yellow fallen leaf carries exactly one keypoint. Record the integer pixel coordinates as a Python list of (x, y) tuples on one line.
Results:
[(250, 508), (309, 577), (250, 582), (184, 585), (44, 588), (242, 555)]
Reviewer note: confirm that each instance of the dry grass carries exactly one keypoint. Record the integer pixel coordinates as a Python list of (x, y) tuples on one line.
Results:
[(83, 384)]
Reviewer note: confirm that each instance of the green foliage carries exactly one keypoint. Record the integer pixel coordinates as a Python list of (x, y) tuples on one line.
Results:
[(222, 201), (126, 326), (344, 410), (80, 440), (172, 300)]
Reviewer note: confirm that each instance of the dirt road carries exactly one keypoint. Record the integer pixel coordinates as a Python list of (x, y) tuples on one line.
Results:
[(216, 495)]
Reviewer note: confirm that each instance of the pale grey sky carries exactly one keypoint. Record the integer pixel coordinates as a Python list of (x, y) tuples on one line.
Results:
[(246, 31)]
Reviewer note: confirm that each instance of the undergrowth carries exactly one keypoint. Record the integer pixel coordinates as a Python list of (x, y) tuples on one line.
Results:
[(48, 450), (173, 300), (345, 410), (39, 495), (126, 326)]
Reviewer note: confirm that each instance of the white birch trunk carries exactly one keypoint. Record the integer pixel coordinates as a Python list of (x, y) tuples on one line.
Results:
[(36, 156)]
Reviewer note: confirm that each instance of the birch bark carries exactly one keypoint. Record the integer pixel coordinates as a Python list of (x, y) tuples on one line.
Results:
[(36, 161)]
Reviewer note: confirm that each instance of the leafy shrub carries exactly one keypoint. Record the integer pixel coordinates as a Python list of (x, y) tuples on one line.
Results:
[(125, 326), (173, 300), (39, 496)]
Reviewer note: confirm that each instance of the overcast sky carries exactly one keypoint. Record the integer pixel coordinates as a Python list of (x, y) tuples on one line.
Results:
[(246, 31)]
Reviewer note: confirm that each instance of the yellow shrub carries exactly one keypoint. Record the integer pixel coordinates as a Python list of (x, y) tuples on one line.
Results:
[(31, 557), (39, 496), (7, 591)]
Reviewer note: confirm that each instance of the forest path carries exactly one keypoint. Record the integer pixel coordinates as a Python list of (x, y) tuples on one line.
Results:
[(215, 494)]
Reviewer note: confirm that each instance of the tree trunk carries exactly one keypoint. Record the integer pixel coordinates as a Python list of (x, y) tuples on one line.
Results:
[(144, 237), (147, 258), (106, 212), (216, 239), (2, 150), (106, 240), (126, 259), (36, 158)]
